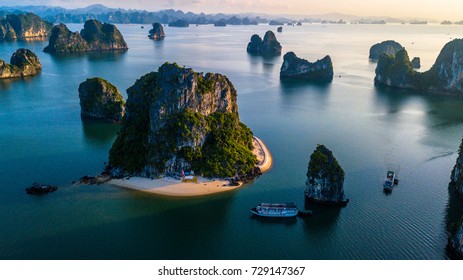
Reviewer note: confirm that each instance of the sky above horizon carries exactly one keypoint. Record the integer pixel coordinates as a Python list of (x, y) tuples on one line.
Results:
[(433, 9)]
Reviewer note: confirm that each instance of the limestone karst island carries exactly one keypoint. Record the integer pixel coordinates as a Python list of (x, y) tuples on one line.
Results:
[(181, 134), (95, 36), (23, 63)]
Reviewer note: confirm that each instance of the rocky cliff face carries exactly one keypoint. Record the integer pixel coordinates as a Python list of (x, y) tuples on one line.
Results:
[(325, 178), (22, 63), (267, 47), (254, 46), (456, 239), (24, 27), (270, 45), (446, 75), (388, 47), (395, 71), (447, 71), (157, 33), (177, 119), (456, 178), (94, 37), (99, 99), (295, 68)]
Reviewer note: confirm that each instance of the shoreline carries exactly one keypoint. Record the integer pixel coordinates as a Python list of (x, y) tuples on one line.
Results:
[(266, 163), (168, 186), (172, 187)]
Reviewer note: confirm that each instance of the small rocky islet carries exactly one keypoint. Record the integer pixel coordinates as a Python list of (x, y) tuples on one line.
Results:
[(295, 68), (24, 27), (389, 47), (269, 46), (325, 178), (23, 63), (99, 99), (157, 32), (416, 63), (39, 189), (95, 36)]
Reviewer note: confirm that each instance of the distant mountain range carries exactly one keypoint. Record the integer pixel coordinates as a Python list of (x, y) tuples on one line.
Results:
[(113, 15)]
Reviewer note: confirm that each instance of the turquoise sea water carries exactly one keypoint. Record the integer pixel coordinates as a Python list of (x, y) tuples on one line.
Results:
[(369, 130)]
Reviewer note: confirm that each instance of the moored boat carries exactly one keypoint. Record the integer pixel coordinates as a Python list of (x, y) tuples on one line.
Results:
[(389, 181), (288, 209)]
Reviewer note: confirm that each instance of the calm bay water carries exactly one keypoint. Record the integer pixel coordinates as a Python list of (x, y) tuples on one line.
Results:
[(369, 130)]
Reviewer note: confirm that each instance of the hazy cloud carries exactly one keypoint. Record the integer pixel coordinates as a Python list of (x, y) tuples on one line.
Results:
[(448, 9)]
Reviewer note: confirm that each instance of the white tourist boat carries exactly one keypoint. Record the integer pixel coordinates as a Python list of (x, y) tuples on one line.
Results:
[(288, 209)]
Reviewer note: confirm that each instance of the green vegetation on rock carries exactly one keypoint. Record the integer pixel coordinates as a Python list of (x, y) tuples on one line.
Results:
[(23, 63), (389, 47), (99, 99), (325, 178), (446, 75), (95, 36), (24, 26), (323, 164), (396, 70), (178, 119)]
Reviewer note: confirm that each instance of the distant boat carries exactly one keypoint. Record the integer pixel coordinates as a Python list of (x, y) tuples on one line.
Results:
[(283, 210), (389, 181)]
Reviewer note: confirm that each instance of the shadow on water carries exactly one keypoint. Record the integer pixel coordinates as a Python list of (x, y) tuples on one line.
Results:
[(437, 113), (289, 86), (392, 98), (443, 106), (151, 229), (453, 212), (268, 63), (114, 55), (6, 83), (273, 220), (293, 91), (158, 43), (387, 193), (324, 217), (99, 133)]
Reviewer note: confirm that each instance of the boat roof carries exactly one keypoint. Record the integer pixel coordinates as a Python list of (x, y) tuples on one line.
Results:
[(279, 205)]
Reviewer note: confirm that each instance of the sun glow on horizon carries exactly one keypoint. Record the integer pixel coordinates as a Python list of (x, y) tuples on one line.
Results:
[(431, 9)]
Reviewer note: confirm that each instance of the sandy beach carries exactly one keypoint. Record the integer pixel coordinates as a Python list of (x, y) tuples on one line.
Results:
[(172, 187), (263, 155)]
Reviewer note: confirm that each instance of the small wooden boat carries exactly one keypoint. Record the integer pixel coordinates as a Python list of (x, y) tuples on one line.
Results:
[(389, 181)]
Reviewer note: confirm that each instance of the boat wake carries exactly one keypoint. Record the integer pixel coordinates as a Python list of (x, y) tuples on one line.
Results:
[(441, 156)]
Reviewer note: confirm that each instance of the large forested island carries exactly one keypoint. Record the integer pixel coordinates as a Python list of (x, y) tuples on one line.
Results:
[(446, 75), (24, 27), (180, 120), (95, 36)]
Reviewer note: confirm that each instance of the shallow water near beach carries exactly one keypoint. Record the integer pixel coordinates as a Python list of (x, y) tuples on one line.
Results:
[(369, 130)]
